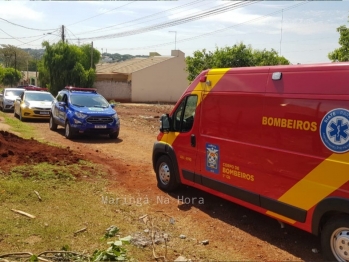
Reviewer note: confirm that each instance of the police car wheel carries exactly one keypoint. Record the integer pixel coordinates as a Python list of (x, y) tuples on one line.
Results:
[(114, 135), (53, 125), (69, 132), (165, 174), (335, 239), (20, 116)]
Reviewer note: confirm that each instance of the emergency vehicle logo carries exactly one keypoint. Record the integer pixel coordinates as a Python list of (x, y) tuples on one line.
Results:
[(334, 130), (212, 158)]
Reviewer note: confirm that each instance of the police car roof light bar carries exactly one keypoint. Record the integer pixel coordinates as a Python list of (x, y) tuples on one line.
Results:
[(72, 88), (35, 88)]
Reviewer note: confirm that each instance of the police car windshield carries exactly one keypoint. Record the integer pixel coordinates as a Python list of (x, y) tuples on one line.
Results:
[(89, 100), (37, 96), (13, 92)]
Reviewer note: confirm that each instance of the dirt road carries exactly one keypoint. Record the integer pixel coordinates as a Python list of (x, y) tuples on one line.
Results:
[(234, 232)]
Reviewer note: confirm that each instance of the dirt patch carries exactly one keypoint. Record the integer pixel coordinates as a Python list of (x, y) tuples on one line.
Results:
[(15, 150)]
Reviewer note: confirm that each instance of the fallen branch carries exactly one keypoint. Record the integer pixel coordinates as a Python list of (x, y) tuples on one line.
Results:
[(16, 254), (23, 213), (80, 230), (37, 194), (153, 233)]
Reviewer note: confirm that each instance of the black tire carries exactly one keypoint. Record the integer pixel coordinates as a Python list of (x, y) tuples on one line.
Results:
[(165, 174), (2, 107), (21, 117), (69, 132), (335, 239), (52, 124), (114, 135)]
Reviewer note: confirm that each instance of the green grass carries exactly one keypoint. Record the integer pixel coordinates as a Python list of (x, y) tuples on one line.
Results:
[(17, 126), (68, 204)]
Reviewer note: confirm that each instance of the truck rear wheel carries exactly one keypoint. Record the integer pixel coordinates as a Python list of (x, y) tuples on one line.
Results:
[(335, 239), (165, 174)]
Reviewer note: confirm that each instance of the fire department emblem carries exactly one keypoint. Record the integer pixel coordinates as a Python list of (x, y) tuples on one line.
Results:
[(334, 130), (212, 158)]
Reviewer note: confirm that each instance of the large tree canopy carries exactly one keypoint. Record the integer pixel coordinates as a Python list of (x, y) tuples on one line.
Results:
[(9, 76), (238, 55), (65, 64), (341, 54)]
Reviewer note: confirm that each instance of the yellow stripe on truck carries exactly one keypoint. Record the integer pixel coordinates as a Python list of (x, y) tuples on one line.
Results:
[(170, 137), (323, 180)]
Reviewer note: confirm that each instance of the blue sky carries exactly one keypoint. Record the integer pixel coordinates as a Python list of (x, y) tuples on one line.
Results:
[(302, 31)]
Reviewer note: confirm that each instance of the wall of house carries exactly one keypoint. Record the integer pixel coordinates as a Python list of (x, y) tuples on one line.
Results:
[(163, 82), (112, 90)]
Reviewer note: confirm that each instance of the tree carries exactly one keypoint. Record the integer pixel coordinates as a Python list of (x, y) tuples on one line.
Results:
[(2, 72), (11, 76), (341, 54), (14, 57), (66, 64), (265, 58), (238, 55), (200, 61)]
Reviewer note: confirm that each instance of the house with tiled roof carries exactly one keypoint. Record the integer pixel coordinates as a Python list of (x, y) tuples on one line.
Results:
[(153, 79)]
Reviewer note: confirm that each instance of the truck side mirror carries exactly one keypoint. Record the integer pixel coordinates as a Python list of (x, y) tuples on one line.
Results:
[(165, 123)]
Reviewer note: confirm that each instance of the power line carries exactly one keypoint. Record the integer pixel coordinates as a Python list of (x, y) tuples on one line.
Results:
[(217, 31), (25, 26), (144, 17), (23, 37), (176, 22), (101, 13)]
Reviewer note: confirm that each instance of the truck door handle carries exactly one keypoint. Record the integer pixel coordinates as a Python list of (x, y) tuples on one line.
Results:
[(193, 140)]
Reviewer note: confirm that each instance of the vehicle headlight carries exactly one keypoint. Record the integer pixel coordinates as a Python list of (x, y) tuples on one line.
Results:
[(26, 104), (117, 119), (80, 115)]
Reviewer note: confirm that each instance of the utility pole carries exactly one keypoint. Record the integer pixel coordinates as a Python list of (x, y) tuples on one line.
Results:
[(175, 37), (63, 34), (91, 54), (28, 74)]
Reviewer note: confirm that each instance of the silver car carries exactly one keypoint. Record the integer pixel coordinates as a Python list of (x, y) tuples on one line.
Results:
[(8, 96)]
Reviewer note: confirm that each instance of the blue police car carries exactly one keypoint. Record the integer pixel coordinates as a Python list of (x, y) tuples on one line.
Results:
[(83, 110)]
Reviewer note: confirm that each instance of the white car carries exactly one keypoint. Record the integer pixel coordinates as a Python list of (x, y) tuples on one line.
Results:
[(8, 97)]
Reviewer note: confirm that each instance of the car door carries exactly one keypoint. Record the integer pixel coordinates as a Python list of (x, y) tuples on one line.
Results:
[(2, 99), (17, 105), (60, 107), (186, 129)]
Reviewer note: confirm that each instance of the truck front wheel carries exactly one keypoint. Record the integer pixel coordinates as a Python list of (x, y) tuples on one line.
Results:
[(335, 239), (165, 174)]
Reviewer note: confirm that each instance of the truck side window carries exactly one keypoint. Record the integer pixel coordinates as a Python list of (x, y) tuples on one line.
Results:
[(183, 118)]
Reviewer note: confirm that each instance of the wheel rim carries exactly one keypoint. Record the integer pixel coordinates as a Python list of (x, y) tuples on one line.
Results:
[(67, 131), (164, 173), (340, 244)]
